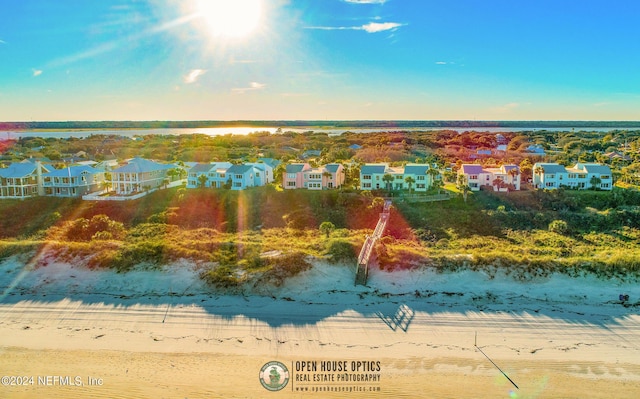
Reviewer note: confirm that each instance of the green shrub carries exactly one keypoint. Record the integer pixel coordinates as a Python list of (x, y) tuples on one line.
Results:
[(559, 227), (341, 251)]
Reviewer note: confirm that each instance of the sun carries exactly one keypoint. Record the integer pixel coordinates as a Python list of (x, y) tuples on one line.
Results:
[(231, 18)]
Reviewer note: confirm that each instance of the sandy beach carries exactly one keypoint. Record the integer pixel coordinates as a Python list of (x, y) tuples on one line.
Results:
[(164, 334)]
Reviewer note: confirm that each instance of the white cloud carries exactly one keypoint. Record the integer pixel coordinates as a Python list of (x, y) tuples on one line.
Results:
[(2, 42), (253, 86), (37, 72), (441, 63), (365, 1), (194, 75), (506, 107), (372, 27)]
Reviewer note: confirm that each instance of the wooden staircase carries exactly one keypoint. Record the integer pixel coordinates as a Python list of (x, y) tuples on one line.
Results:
[(362, 272)]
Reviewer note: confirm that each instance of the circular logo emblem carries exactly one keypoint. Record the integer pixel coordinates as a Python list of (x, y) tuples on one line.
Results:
[(274, 376)]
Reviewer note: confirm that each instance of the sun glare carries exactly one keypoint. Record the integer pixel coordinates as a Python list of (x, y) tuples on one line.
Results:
[(232, 18)]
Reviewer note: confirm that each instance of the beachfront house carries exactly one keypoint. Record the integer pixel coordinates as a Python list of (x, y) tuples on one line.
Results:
[(504, 178), (226, 174), (212, 175), (293, 176), (302, 175), (138, 175), (582, 176), (73, 181), (22, 180), (379, 176)]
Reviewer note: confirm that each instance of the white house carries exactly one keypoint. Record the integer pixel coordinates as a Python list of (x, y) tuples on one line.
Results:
[(138, 175), (372, 177), (478, 176), (582, 176)]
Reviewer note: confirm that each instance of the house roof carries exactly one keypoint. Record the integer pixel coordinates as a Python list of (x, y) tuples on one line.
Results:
[(297, 167), (202, 168), (332, 167), (508, 168), (596, 168), (72, 171), (373, 168), (472, 169), (550, 167), (270, 161), (416, 169), (239, 169), (16, 170), (141, 165)]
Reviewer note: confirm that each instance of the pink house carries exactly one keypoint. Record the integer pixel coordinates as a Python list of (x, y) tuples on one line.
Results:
[(302, 175), (294, 175)]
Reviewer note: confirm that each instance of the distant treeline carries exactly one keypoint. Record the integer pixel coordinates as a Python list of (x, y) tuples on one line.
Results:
[(315, 124)]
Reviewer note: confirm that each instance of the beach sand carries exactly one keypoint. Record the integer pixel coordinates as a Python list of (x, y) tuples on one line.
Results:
[(152, 334)]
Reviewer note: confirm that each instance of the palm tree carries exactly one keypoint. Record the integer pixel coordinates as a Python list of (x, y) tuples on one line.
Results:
[(202, 180), (327, 175), (434, 174), (388, 179), (595, 182), (463, 186), (409, 180)]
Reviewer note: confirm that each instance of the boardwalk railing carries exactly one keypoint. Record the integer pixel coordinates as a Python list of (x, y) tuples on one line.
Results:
[(362, 272)]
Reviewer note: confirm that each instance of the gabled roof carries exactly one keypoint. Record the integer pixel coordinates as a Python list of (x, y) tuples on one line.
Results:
[(72, 171), (508, 168), (34, 160), (416, 169), (472, 169), (202, 168), (550, 168), (332, 167), (141, 165), (596, 168), (239, 169), (373, 168), (17, 170), (270, 161), (297, 167)]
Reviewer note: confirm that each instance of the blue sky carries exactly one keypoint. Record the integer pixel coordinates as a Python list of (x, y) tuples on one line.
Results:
[(319, 59)]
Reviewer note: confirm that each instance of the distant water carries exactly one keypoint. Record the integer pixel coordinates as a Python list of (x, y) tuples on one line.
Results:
[(221, 131)]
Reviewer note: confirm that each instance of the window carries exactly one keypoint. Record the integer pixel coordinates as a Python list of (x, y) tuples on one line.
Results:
[(605, 177), (420, 178), (291, 184), (420, 186), (366, 185), (237, 184), (238, 176), (473, 177), (366, 177), (551, 176), (398, 177), (473, 185), (550, 184), (221, 175), (291, 175)]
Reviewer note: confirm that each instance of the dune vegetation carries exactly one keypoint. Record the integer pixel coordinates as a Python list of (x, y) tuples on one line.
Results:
[(267, 235)]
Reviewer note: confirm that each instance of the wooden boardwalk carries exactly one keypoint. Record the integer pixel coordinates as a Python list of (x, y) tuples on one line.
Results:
[(362, 272)]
